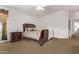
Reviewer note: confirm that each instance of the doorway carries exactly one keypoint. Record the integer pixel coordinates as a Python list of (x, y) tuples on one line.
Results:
[(76, 27)]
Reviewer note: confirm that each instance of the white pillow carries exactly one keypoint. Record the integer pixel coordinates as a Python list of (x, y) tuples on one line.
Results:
[(25, 29), (30, 29)]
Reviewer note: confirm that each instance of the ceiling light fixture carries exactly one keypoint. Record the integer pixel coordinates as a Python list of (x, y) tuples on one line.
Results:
[(40, 8)]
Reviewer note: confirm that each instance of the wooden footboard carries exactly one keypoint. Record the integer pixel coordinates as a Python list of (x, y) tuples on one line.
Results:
[(43, 37)]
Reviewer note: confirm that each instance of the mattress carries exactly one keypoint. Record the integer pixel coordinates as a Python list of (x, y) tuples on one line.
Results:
[(32, 34)]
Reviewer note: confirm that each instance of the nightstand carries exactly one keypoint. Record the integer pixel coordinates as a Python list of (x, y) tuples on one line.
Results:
[(16, 36)]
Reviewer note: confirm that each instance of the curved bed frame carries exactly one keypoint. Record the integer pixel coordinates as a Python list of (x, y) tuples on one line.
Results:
[(43, 35)]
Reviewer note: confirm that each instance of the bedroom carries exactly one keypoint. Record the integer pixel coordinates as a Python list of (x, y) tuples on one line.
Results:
[(55, 18)]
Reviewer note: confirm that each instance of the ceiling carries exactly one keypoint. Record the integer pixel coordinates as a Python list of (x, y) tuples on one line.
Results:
[(31, 9)]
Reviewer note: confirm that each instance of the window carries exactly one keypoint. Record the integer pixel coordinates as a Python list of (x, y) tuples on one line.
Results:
[(76, 26)]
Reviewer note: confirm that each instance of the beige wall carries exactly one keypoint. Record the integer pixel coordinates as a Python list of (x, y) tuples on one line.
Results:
[(57, 21)]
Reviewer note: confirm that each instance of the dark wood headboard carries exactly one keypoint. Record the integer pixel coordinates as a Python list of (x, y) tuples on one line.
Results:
[(26, 25)]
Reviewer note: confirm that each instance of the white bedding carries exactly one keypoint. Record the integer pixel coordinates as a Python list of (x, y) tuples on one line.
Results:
[(32, 34), (36, 34)]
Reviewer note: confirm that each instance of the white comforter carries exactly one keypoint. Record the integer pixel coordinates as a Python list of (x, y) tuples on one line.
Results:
[(32, 34), (36, 34)]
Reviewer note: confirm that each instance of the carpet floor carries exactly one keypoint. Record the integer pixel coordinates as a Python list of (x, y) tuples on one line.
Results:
[(54, 46)]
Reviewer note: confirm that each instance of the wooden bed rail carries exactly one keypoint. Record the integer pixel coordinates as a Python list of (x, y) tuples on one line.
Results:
[(43, 37)]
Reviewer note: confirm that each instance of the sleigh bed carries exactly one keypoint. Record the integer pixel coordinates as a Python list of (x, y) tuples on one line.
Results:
[(31, 33)]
